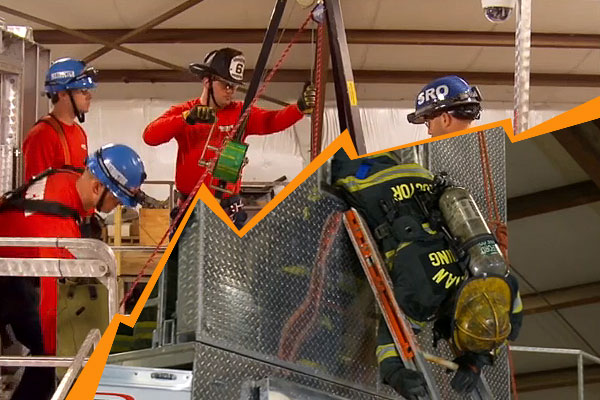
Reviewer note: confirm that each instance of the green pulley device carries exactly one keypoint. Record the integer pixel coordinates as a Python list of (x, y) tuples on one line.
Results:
[(230, 161)]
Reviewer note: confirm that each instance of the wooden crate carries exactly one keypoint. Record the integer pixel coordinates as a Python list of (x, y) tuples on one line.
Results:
[(153, 225)]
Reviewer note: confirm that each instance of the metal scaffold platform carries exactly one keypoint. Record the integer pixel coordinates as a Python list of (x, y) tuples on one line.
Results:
[(289, 301)]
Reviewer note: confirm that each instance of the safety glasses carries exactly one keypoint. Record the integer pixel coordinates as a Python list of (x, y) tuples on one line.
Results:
[(227, 85)]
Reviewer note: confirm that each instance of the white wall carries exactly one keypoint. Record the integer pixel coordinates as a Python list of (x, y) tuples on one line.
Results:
[(285, 153)]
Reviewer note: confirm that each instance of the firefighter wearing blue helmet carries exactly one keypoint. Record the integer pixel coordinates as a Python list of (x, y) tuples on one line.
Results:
[(52, 204), (446, 105), (57, 140), (72, 77), (121, 172)]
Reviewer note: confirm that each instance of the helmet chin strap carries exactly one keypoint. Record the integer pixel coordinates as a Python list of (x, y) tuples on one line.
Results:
[(100, 201), (80, 115), (211, 93)]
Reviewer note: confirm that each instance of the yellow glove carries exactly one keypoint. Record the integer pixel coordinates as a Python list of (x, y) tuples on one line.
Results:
[(200, 115), (308, 98)]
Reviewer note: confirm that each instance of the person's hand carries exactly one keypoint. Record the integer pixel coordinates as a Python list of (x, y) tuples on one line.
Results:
[(200, 115), (469, 368), (308, 98), (408, 383)]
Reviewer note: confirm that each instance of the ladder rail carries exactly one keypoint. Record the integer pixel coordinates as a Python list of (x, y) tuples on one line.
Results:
[(402, 333), (89, 344), (379, 280)]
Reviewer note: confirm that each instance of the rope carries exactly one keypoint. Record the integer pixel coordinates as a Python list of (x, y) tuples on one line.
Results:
[(316, 120), (494, 220), (497, 225), (271, 74), (303, 321), (189, 199)]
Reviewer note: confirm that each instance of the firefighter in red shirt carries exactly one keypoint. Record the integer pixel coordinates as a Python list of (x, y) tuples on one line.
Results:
[(191, 123), (57, 140), (51, 205)]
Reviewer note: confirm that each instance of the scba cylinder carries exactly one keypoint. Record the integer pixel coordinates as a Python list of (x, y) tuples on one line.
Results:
[(466, 224)]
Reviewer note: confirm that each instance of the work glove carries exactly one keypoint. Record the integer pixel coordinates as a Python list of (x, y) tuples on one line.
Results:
[(408, 383), (308, 98), (469, 369), (200, 114), (234, 207)]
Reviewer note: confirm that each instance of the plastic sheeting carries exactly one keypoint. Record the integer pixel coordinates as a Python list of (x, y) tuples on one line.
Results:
[(285, 153)]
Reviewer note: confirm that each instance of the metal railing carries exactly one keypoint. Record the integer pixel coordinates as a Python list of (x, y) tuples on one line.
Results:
[(74, 364), (93, 259), (580, 354)]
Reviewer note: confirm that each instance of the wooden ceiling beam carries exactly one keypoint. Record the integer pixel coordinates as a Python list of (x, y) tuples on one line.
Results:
[(555, 299), (551, 200), (355, 36), (128, 36), (88, 38), (582, 142), (364, 76)]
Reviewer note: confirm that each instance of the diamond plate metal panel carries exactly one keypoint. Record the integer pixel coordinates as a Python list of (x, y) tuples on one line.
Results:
[(460, 157), (275, 297), (220, 374), (497, 376), (291, 290), (190, 275)]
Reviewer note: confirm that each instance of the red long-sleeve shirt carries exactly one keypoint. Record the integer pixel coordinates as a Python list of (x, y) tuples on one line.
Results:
[(59, 187), (43, 149), (191, 139)]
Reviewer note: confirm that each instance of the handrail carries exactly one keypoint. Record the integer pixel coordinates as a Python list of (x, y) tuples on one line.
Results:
[(86, 348), (89, 255), (74, 364), (138, 248), (573, 352), (36, 361)]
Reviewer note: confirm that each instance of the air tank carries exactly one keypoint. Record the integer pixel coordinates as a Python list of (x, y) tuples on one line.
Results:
[(466, 224)]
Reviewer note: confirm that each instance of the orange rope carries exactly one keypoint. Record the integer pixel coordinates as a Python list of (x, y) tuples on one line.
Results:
[(494, 221), (189, 199), (317, 121), (271, 74), (497, 225)]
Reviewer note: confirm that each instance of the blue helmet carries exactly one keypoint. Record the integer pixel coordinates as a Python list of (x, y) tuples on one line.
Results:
[(69, 74), (445, 94), (120, 169)]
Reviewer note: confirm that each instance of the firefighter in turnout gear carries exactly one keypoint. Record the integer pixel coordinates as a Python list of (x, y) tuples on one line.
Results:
[(51, 205), (426, 273)]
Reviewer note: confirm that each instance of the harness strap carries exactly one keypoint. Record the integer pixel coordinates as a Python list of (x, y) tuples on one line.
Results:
[(57, 127), (16, 200)]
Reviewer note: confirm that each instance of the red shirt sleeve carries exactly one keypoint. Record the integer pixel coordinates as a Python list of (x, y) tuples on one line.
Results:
[(264, 122), (41, 150), (169, 125)]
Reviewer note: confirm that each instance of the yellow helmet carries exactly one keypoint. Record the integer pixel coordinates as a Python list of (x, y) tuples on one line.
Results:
[(482, 314)]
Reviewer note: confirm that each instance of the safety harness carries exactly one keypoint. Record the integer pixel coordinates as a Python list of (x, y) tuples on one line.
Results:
[(394, 222), (51, 120), (15, 199)]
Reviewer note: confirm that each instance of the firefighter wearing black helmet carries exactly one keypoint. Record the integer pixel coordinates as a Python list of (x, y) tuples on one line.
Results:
[(190, 123)]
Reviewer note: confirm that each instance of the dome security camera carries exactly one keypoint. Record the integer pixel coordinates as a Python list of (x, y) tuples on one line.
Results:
[(497, 10)]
